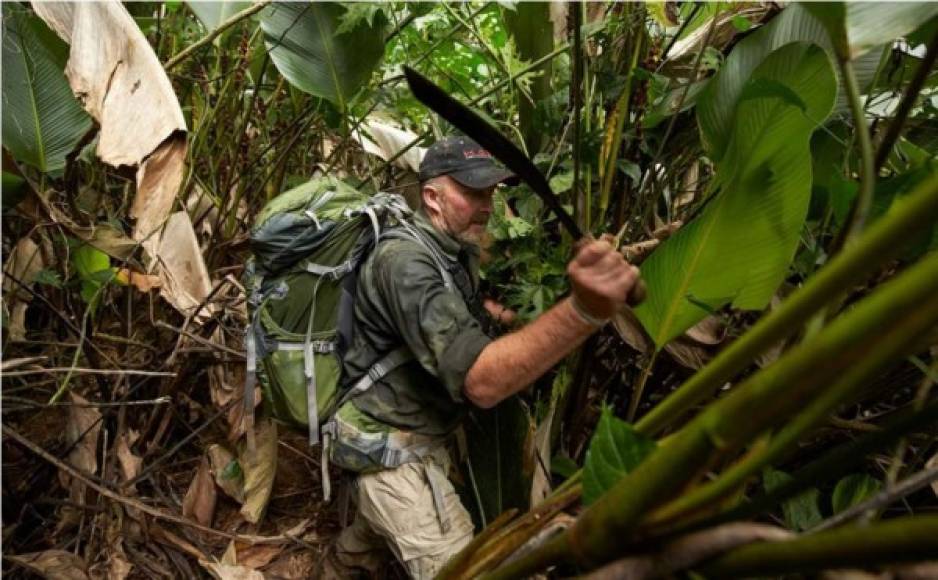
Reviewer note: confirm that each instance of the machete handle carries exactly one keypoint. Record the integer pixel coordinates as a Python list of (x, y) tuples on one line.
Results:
[(639, 291)]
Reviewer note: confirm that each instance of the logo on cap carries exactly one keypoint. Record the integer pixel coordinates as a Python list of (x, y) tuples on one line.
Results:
[(476, 154)]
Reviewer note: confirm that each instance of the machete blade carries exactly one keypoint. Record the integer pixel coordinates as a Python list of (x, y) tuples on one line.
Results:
[(474, 126)]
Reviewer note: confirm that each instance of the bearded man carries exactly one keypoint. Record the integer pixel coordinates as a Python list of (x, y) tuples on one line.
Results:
[(420, 320)]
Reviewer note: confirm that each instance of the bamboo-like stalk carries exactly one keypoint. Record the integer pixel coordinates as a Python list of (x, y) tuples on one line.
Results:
[(613, 138), (502, 540), (883, 241), (899, 312), (455, 567), (893, 541)]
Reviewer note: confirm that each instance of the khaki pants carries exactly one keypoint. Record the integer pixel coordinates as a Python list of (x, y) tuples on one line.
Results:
[(396, 512)]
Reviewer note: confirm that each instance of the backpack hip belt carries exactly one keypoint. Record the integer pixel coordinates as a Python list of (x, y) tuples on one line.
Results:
[(351, 448)]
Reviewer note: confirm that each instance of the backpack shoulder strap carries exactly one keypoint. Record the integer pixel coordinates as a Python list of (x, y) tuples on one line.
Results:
[(407, 231), (378, 371)]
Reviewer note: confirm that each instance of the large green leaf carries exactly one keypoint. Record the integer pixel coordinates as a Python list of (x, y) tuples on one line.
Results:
[(42, 120), (856, 27), (615, 450), (501, 473), (309, 52), (738, 250), (211, 14), (716, 107)]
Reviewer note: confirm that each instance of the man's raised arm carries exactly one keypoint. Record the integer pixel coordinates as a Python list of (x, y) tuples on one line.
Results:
[(601, 280)]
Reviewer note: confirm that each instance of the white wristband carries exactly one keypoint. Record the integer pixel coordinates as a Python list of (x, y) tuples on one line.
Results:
[(584, 315)]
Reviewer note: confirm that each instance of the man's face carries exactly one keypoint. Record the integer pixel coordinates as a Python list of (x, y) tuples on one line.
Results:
[(462, 212)]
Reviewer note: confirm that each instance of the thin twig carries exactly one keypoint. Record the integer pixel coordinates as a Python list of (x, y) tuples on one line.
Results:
[(157, 401), (905, 487), (208, 38), (200, 340)]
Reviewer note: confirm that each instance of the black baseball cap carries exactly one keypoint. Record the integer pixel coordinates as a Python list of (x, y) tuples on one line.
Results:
[(465, 161)]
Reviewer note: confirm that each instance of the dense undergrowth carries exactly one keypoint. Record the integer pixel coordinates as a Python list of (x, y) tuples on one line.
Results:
[(771, 168)]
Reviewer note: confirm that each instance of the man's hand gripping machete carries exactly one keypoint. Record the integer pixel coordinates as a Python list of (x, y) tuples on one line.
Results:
[(470, 123)]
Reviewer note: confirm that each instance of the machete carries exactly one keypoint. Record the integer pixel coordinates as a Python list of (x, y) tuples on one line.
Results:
[(474, 126)]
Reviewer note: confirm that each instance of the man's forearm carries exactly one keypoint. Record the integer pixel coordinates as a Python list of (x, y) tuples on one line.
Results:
[(516, 360)]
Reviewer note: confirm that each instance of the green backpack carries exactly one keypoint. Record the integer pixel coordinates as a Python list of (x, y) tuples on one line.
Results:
[(307, 244)]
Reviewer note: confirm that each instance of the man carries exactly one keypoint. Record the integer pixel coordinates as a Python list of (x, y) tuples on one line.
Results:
[(420, 291)]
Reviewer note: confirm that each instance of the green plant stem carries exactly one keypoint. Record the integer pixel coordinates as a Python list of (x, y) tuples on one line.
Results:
[(884, 240), (901, 311), (208, 38), (864, 201), (893, 541)]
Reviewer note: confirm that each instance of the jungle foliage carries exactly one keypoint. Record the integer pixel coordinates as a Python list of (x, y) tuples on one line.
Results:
[(769, 408)]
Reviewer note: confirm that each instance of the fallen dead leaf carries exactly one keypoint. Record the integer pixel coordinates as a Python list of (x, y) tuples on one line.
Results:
[(689, 350), (231, 571), (130, 463), (200, 499), (259, 468), (294, 566), (108, 239), (258, 555), (53, 564), (118, 567), (142, 282), (81, 435), (23, 263), (228, 474), (710, 330)]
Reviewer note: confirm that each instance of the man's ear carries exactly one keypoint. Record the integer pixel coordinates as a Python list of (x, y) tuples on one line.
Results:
[(430, 195)]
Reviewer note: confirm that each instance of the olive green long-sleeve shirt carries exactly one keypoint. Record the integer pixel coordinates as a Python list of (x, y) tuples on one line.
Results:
[(402, 299)]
